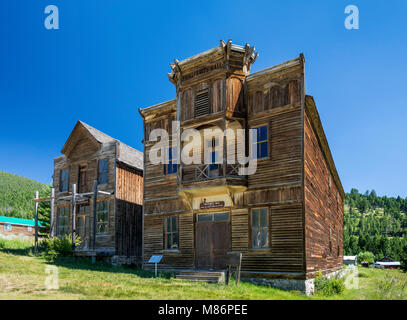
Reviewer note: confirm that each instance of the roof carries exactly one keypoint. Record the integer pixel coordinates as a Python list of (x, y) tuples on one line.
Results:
[(315, 120), (24, 222), (395, 263), (349, 257), (125, 153)]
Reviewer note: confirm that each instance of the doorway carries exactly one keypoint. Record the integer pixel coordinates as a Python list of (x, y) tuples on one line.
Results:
[(212, 240)]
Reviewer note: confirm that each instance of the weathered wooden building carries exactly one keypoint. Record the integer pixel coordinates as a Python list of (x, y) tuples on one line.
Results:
[(287, 217), (88, 156)]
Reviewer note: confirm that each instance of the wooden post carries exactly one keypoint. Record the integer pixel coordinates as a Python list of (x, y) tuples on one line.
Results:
[(238, 270), (73, 214), (228, 275), (36, 222), (95, 198), (52, 213)]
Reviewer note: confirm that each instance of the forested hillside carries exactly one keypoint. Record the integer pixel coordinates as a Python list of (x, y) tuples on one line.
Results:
[(376, 224), (17, 193)]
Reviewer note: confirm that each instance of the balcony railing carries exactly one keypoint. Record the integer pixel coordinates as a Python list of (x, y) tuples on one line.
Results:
[(203, 172)]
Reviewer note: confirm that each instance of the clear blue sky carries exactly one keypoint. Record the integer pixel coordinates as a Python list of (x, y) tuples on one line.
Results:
[(110, 58)]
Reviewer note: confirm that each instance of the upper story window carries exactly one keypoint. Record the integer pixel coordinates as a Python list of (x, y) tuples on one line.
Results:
[(202, 103), (62, 221), (103, 171), (259, 228), (212, 147), (82, 178), (64, 180), (170, 166), (261, 144)]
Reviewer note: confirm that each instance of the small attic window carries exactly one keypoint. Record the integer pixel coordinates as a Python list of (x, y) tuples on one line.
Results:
[(202, 103)]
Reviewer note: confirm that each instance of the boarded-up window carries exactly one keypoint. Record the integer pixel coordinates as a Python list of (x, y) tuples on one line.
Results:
[(102, 217), (103, 171), (217, 95), (63, 180), (187, 110), (82, 179), (202, 103), (171, 232), (235, 101), (259, 228), (62, 221)]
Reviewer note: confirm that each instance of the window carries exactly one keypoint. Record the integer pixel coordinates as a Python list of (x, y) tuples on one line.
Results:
[(64, 180), (102, 217), (202, 103), (170, 166), (82, 178), (171, 232), (103, 171), (83, 208), (330, 240), (29, 229), (210, 217), (62, 221), (261, 144), (260, 226), (211, 146), (8, 227)]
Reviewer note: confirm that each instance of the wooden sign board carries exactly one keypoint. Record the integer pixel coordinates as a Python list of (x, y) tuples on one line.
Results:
[(233, 259), (214, 204), (155, 259)]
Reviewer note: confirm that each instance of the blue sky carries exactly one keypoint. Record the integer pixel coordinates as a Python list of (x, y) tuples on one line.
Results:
[(110, 58)]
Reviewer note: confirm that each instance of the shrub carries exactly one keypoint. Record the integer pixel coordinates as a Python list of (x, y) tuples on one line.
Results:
[(366, 256), (328, 287), (55, 247), (391, 287)]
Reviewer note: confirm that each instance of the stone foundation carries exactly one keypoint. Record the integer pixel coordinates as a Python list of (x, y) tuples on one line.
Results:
[(302, 285), (124, 260), (306, 286)]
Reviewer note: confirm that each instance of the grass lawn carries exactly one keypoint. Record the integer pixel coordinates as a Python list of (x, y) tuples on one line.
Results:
[(23, 276)]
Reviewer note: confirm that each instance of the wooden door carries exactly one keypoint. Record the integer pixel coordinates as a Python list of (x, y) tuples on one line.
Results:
[(204, 245), (212, 244), (220, 247)]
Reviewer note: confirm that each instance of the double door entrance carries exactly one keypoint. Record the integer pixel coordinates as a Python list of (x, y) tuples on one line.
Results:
[(212, 240)]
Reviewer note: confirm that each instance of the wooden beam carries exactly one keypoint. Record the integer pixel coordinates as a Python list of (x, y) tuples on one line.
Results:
[(95, 198), (36, 223), (52, 213), (73, 214)]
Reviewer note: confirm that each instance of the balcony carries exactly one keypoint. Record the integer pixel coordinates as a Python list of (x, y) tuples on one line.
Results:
[(205, 172)]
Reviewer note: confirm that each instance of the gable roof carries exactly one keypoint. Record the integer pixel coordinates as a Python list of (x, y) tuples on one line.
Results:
[(23, 222), (125, 153)]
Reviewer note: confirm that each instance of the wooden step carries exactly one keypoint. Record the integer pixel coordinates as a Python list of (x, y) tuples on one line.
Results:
[(204, 276)]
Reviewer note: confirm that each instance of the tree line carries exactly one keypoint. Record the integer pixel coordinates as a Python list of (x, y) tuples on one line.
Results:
[(376, 224)]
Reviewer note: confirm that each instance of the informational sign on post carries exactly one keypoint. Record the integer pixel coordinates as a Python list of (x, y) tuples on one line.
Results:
[(155, 259)]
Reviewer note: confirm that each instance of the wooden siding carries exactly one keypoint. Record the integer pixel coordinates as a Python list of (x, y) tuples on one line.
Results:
[(129, 184), (129, 229), (323, 209)]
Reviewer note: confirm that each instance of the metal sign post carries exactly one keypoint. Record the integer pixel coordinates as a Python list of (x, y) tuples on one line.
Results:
[(155, 259)]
